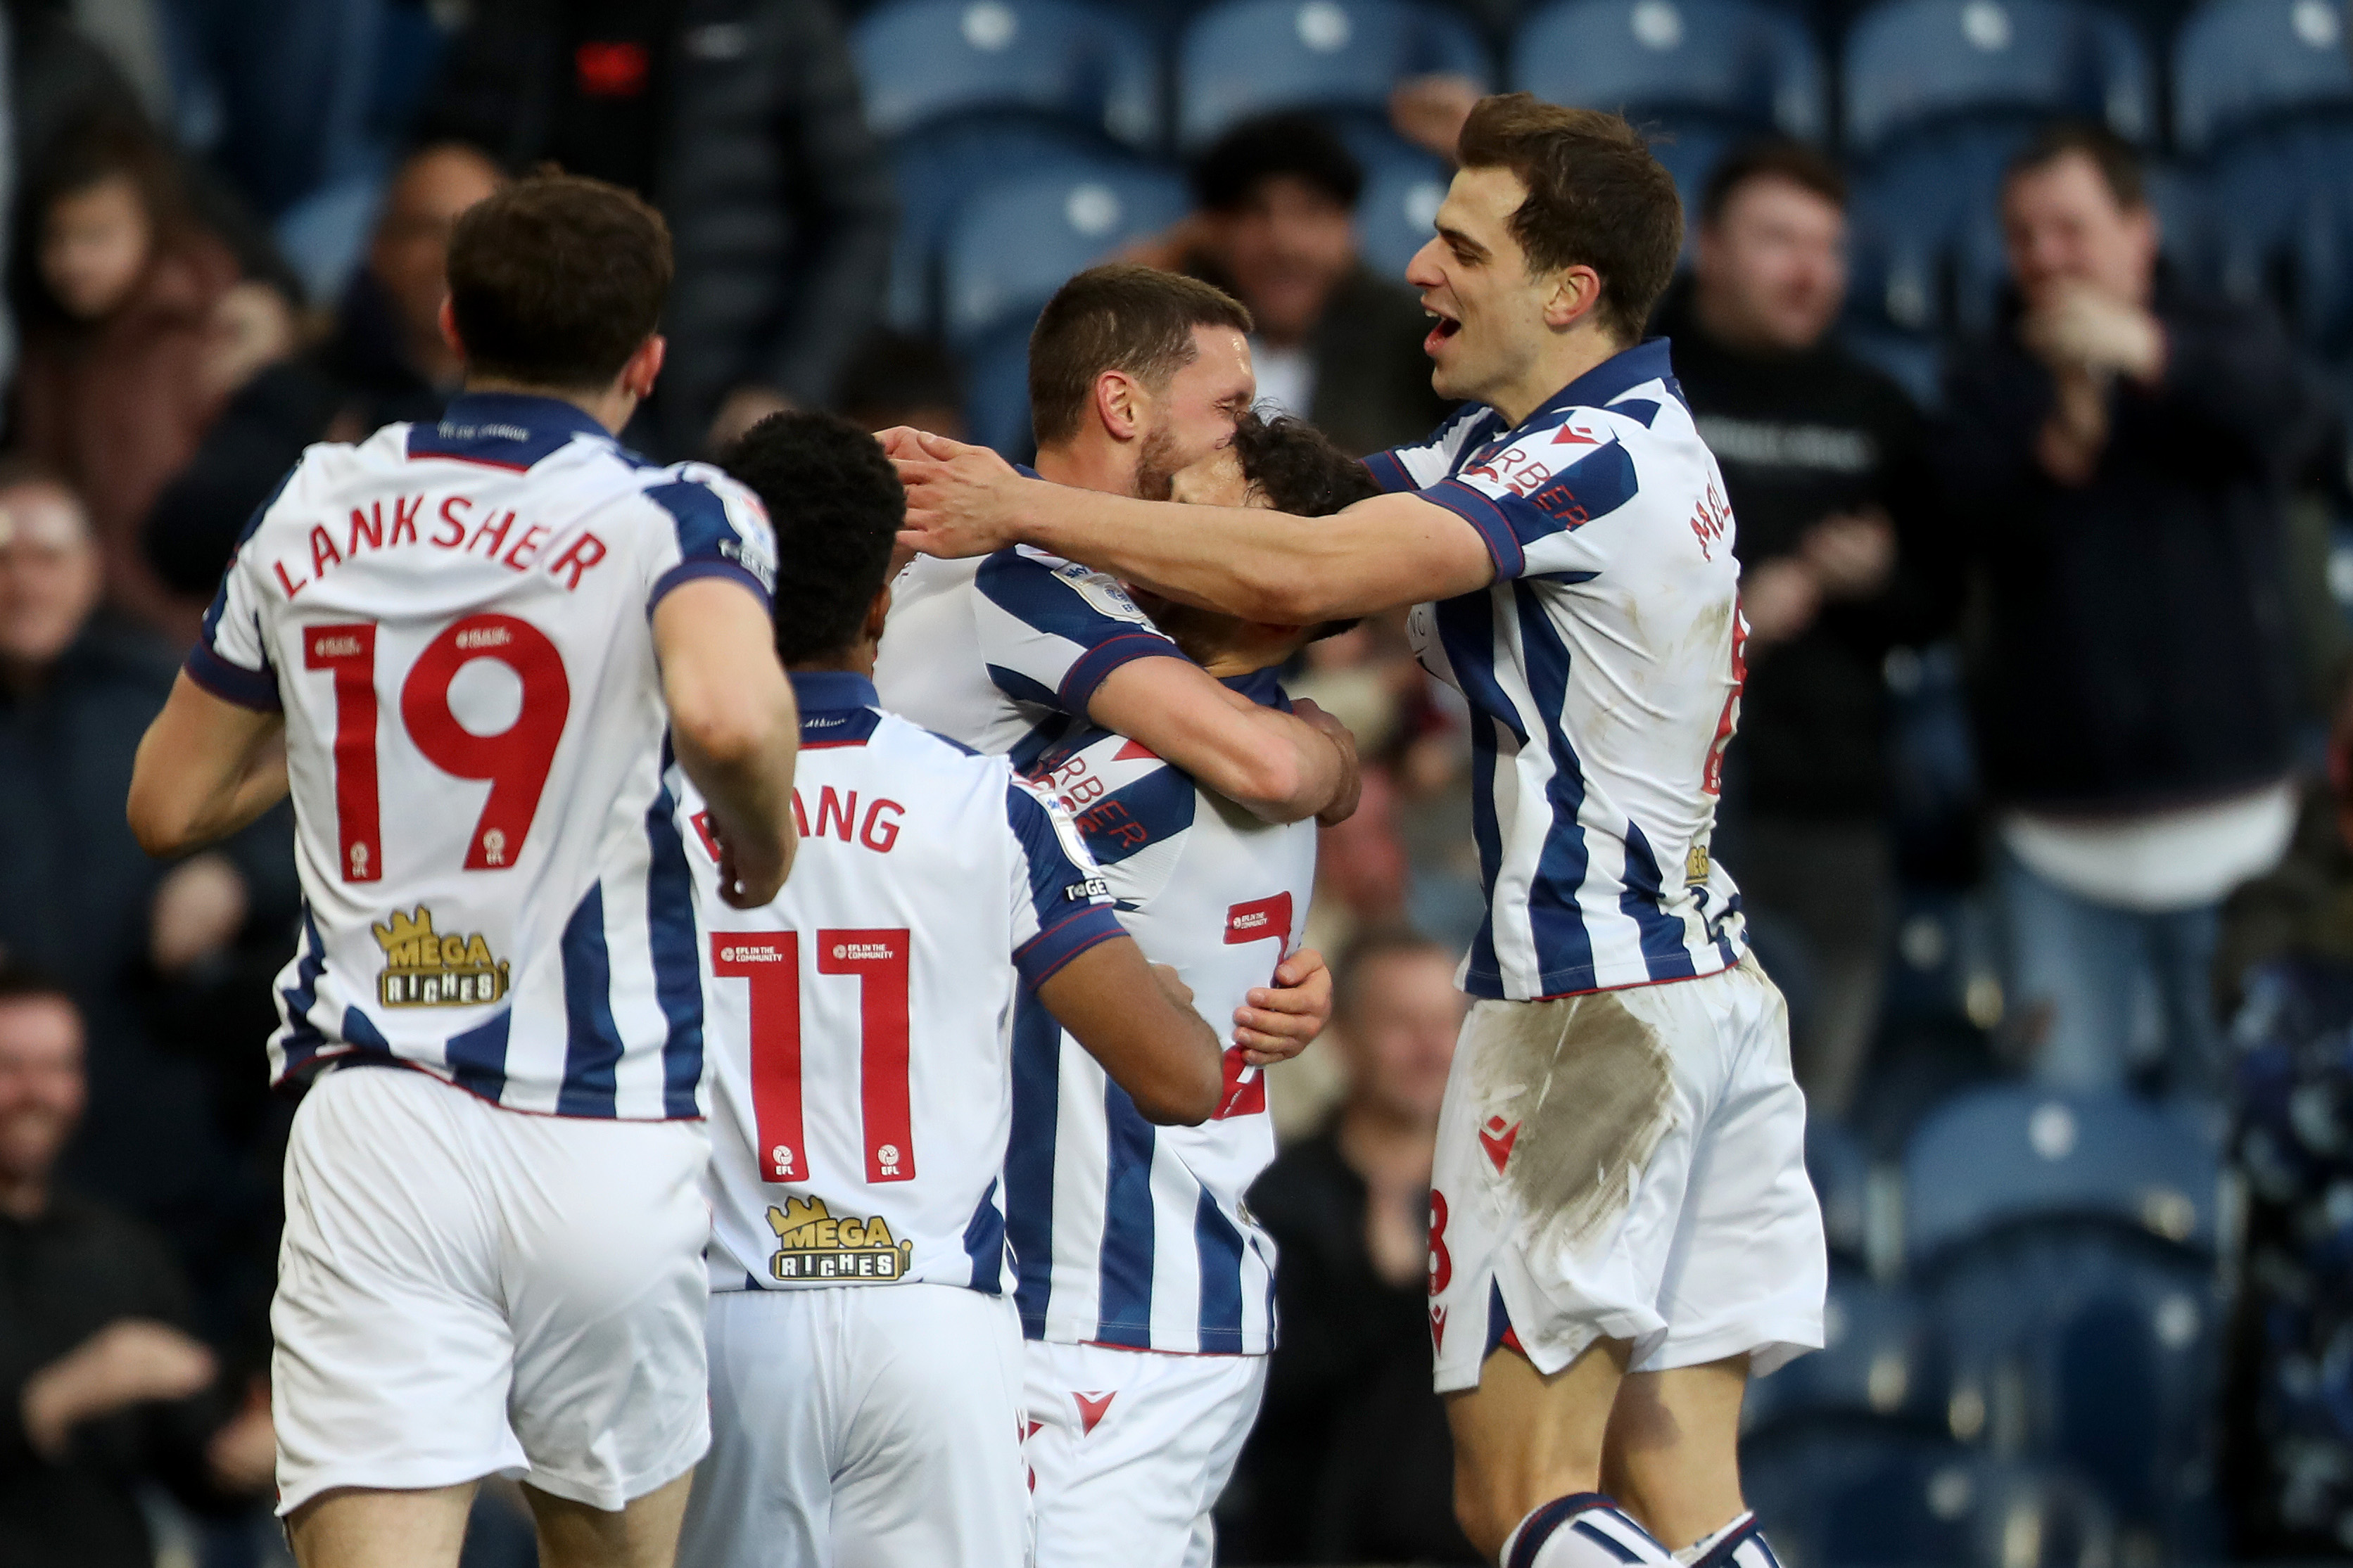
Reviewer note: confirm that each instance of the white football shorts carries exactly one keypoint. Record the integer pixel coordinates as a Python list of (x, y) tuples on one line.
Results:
[(1129, 1450), (862, 1425), (1630, 1165), (465, 1291)]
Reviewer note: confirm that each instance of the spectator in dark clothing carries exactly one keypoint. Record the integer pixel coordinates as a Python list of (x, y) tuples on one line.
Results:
[(385, 361), (743, 126), (2121, 452), (895, 379), (1824, 461), (104, 1386), (1336, 345), (1351, 1461)]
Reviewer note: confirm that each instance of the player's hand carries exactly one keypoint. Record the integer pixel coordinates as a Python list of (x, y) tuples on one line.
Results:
[(1279, 1020), (1351, 787), (748, 881), (1173, 986), (961, 499)]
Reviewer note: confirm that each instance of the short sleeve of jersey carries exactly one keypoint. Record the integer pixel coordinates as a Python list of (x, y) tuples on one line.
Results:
[(1528, 497), (1061, 904), (1051, 631), (231, 658), (721, 530)]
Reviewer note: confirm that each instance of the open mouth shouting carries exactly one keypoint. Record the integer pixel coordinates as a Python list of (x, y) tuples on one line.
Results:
[(1446, 326)]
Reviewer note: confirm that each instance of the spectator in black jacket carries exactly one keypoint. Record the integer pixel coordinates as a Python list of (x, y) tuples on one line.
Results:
[(1336, 345), (2117, 456), (385, 360), (743, 126), (104, 1387), (1351, 1461), (1825, 466)]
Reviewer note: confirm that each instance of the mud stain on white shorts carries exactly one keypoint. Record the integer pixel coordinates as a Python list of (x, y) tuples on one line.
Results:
[(1573, 1095)]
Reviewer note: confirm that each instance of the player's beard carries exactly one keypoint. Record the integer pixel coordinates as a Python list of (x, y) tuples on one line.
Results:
[(1157, 465)]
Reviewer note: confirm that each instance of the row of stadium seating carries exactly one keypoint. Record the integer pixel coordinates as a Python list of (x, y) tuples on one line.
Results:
[(2033, 1344)]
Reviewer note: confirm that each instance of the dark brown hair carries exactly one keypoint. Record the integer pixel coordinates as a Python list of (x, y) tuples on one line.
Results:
[(2111, 154), (1297, 468), (556, 280), (1776, 158), (1135, 320), (1369, 949), (1596, 198)]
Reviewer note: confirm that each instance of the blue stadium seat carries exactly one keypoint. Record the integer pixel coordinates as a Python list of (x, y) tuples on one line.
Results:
[(1865, 1497), (1014, 242), (1998, 1157), (1403, 186), (1880, 1359), (2289, 237), (1253, 56), (2099, 1349), (997, 388), (2239, 63), (924, 61), (935, 171), (1734, 59), (1691, 148), (1913, 62), (1925, 242), (1841, 1172)]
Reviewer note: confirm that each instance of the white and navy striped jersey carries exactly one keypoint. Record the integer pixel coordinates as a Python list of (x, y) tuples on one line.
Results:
[(1603, 672), (454, 619), (995, 652), (857, 1024), (1129, 1234)]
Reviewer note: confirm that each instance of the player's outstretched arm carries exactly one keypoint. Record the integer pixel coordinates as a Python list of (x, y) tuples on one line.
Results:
[(1137, 1019), (736, 729), (205, 768), (1278, 767), (1262, 566)]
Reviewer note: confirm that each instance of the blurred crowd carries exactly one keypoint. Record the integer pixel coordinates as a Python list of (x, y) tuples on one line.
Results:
[(2034, 778)]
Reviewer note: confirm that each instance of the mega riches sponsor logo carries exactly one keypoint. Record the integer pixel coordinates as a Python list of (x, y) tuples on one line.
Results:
[(425, 969), (815, 1248)]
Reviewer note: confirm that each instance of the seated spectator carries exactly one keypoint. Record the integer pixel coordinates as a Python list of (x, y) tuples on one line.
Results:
[(1351, 1461), (740, 120), (1336, 345), (1825, 466), (385, 360), (106, 1388), (2119, 450), (136, 329)]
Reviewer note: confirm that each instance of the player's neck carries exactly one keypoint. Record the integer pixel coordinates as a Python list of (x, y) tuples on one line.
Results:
[(610, 407), (859, 661), (1099, 466), (1566, 357)]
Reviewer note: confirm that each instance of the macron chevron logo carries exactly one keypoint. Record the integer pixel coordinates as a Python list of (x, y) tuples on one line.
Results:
[(1570, 435), (1091, 1408)]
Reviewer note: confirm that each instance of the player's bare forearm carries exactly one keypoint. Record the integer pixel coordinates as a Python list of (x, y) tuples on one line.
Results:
[(736, 728), (1277, 767), (205, 768), (1119, 1008), (1262, 566)]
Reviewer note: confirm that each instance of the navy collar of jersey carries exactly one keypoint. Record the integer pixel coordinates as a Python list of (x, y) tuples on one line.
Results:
[(829, 690), (510, 429), (1628, 368)]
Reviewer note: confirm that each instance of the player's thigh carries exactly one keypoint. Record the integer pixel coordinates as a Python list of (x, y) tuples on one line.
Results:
[(392, 1357), (1747, 1267), (1672, 1456), (1128, 1451), (928, 1468), (763, 1494), (605, 1224)]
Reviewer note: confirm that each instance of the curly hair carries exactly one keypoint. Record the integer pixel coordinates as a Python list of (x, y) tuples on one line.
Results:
[(1296, 467), (837, 506)]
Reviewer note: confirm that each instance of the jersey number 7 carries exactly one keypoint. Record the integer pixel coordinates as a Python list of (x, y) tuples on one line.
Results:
[(770, 961), (515, 759)]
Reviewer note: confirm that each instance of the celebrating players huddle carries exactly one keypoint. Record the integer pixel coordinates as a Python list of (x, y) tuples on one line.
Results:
[(892, 1210)]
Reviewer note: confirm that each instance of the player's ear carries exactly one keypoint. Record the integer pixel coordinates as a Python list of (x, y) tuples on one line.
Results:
[(644, 367), (1576, 291), (877, 614), (449, 321), (1119, 404)]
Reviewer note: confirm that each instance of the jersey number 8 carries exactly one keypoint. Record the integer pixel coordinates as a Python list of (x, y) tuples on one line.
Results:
[(514, 761)]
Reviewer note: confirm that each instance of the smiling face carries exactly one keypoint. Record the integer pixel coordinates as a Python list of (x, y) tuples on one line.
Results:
[(2064, 228), (1772, 266), (1489, 313), (1287, 245)]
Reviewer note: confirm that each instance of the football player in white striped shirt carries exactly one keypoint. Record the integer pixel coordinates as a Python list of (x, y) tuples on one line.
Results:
[(865, 1356), (1621, 1227), (471, 637), (1147, 1287)]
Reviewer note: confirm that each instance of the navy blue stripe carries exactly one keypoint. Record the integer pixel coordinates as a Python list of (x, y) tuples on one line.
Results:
[(359, 1029), (1041, 739), (220, 605), (478, 1058), (1219, 1246), (1045, 600), (1723, 929), (690, 570), (1620, 373), (1042, 957), (302, 1039), (984, 1243), (1466, 629), (1594, 486), (1389, 471), (1091, 669), (514, 429), (1499, 1320), (670, 935), (706, 534), (1641, 409), (1022, 688), (1124, 1294), (838, 726), (1608, 1543), (1539, 1526), (1478, 509), (592, 1047), (1029, 1157), (1722, 1551), (254, 689), (1134, 817), (1564, 947), (1664, 951)]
